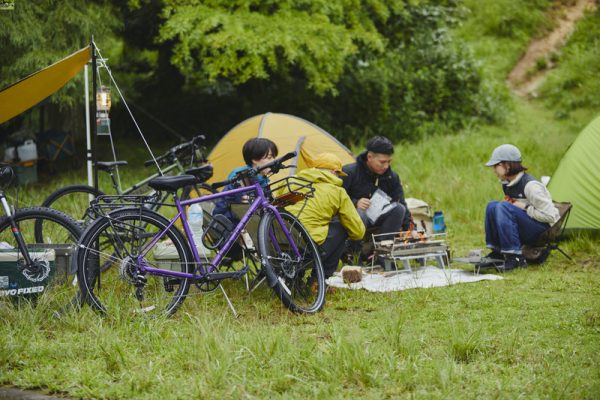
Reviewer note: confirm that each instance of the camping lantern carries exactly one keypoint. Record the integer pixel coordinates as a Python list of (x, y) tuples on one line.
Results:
[(103, 99), (102, 109)]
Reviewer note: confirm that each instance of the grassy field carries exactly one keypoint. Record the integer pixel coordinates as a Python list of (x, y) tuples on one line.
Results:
[(533, 335)]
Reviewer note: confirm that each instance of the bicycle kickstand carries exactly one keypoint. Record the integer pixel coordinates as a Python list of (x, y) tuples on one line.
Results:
[(235, 314)]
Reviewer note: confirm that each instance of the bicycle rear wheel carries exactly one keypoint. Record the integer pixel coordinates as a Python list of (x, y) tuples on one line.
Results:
[(72, 200), (299, 282), (108, 264)]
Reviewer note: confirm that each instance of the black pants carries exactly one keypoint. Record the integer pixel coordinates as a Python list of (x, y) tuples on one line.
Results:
[(333, 247), (390, 222)]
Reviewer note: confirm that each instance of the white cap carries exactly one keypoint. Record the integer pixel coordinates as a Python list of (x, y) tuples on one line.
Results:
[(505, 152)]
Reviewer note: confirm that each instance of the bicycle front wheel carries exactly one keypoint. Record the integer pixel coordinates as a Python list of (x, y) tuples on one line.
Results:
[(299, 282), (108, 259), (61, 234)]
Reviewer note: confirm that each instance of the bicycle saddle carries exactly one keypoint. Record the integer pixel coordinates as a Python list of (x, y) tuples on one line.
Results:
[(172, 183), (108, 165), (203, 173)]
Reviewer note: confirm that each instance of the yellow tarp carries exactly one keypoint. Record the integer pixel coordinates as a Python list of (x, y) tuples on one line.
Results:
[(29, 91), (287, 131)]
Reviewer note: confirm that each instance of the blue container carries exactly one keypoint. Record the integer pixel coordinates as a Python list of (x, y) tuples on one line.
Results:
[(439, 226)]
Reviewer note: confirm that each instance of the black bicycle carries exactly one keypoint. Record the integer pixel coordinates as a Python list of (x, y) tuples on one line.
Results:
[(38, 262), (74, 200)]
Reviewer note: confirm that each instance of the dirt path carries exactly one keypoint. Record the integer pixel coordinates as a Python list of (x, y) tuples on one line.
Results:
[(527, 75)]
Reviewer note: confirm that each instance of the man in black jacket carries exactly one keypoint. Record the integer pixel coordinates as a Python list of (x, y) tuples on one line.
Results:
[(370, 172)]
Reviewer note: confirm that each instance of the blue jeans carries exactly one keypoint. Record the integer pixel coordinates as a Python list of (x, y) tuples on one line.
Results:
[(507, 227)]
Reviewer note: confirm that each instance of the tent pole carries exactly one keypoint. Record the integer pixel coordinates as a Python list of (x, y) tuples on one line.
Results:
[(88, 137), (94, 111)]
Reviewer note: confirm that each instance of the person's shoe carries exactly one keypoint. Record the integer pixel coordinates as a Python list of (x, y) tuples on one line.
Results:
[(495, 255), (512, 261), (494, 259)]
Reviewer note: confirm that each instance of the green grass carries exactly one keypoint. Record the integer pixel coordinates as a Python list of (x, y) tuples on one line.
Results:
[(534, 334), (574, 83), (499, 31)]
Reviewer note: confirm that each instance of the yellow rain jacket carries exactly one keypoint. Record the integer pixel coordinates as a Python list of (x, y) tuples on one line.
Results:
[(330, 199)]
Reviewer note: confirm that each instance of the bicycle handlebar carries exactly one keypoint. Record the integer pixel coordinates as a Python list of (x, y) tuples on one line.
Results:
[(275, 166), (168, 156)]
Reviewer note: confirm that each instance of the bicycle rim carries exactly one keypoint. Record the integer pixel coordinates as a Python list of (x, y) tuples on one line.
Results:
[(298, 282), (108, 259)]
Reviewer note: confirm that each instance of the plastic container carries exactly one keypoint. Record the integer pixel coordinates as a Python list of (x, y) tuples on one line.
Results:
[(439, 226), (27, 151), (10, 154)]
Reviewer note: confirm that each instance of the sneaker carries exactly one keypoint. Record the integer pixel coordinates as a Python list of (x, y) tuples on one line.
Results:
[(512, 261), (495, 255)]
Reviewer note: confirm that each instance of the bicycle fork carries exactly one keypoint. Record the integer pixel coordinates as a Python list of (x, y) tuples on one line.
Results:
[(15, 230)]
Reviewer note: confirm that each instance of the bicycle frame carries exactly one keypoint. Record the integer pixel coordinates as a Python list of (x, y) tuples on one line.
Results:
[(15, 229), (117, 184), (260, 202), (175, 166)]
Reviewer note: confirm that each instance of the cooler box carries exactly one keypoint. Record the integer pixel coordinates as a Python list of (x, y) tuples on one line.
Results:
[(62, 259), (16, 283)]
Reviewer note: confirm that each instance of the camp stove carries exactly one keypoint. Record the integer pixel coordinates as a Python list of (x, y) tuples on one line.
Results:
[(410, 245)]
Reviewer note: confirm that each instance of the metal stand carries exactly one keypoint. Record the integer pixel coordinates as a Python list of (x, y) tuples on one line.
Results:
[(406, 249)]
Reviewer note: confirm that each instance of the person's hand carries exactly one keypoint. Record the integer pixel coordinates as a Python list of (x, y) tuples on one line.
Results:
[(520, 204), (363, 203), (509, 199)]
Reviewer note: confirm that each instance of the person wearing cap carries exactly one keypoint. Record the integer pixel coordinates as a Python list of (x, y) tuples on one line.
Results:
[(329, 216), (370, 172), (526, 212)]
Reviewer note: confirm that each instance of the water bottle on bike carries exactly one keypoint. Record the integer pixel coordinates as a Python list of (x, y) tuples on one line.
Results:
[(196, 221)]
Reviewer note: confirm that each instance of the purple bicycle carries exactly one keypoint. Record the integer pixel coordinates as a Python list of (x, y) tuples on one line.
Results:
[(133, 260)]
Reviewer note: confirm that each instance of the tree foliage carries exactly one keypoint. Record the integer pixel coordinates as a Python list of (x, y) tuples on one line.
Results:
[(38, 33), (357, 67), (354, 67)]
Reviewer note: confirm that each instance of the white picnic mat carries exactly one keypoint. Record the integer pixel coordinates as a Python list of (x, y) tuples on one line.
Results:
[(424, 277)]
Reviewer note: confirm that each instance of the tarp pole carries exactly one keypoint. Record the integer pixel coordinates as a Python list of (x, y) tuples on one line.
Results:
[(88, 136), (94, 112)]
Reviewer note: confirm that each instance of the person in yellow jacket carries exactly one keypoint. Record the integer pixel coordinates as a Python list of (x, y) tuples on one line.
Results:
[(329, 216)]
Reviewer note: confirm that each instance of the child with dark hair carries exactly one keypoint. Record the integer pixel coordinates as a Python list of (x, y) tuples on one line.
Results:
[(256, 152), (526, 212)]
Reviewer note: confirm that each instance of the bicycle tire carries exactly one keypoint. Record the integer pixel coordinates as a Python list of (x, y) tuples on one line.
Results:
[(62, 233), (120, 235), (71, 200), (299, 284), (41, 213)]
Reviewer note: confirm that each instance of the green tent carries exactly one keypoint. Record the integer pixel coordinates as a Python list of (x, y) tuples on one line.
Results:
[(577, 179)]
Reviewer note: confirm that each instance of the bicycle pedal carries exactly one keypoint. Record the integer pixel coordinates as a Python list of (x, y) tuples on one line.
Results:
[(170, 283)]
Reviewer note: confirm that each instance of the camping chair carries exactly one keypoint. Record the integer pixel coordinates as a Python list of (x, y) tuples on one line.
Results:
[(539, 251)]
